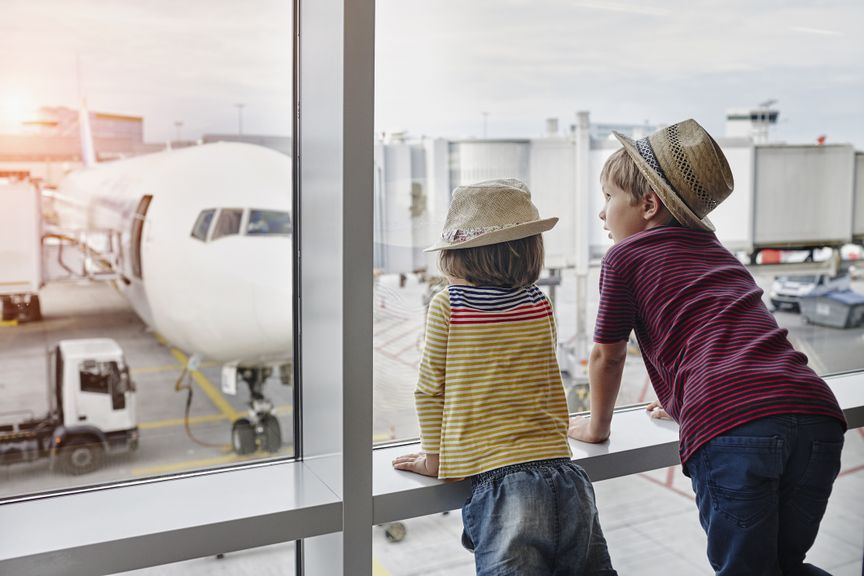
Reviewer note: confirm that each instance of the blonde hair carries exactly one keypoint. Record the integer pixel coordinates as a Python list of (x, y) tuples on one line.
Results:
[(513, 264), (622, 171)]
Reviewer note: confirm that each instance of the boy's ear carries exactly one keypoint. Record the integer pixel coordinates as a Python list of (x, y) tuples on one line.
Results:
[(651, 205)]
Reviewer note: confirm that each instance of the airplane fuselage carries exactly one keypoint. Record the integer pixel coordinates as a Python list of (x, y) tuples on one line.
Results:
[(224, 295)]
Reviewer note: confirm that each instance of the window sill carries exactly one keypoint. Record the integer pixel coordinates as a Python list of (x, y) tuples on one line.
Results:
[(638, 444), (118, 529), (123, 528)]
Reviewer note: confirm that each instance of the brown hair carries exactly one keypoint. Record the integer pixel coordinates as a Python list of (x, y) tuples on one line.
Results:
[(513, 264)]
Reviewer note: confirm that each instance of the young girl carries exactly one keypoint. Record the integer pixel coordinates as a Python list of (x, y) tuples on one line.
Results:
[(489, 396)]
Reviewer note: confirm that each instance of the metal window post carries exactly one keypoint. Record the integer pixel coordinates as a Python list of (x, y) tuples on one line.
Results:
[(336, 104)]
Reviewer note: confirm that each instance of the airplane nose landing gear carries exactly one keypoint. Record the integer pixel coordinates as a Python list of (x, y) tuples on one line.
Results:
[(261, 428)]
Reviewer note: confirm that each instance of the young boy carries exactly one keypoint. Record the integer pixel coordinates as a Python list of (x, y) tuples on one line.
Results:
[(760, 432), (489, 396)]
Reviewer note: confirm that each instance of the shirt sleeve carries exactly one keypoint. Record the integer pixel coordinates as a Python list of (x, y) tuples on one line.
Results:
[(429, 394), (616, 315)]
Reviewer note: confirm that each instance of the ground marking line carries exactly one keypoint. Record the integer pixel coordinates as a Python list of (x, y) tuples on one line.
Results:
[(205, 462)]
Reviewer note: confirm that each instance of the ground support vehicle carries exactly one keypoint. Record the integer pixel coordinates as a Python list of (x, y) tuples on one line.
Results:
[(92, 410), (20, 251)]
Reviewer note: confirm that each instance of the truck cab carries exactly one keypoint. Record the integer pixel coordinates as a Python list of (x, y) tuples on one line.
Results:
[(92, 400)]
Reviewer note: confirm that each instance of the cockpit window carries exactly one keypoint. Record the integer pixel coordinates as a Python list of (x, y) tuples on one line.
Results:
[(268, 222), (228, 223), (202, 225)]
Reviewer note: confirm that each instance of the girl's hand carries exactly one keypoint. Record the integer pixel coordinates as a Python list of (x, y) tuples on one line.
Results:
[(419, 463), (655, 410), (580, 429)]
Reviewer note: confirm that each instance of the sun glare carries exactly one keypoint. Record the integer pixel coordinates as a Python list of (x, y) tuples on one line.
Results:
[(15, 109)]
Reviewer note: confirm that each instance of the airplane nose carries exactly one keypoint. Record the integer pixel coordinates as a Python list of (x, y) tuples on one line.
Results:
[(236, 306)]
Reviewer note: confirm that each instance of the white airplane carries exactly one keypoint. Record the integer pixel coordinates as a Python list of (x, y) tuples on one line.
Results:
[(205, 238)]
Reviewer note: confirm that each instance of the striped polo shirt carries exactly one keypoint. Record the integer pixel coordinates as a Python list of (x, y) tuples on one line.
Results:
[(715, 354), (489, 392)]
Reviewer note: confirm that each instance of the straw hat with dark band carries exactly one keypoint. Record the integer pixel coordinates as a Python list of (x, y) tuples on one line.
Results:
[(490, 212), (686, 168)]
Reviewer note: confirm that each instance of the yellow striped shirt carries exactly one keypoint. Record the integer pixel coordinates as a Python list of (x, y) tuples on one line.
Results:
[(489, 393)]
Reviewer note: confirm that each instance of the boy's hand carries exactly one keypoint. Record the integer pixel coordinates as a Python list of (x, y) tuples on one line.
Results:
[(655, 410), (420, 463), (581, 429)]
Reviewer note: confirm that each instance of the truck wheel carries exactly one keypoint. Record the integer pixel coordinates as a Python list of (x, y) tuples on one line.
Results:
[(34, 309), (10, 311), (243, 437), (81, 457), (272, 434)]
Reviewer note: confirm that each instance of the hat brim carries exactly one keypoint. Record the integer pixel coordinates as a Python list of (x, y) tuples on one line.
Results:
[(667, 195), (497, 236)]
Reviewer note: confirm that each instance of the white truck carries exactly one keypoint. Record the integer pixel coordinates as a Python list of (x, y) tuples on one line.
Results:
[(20, 250), (91, 410)]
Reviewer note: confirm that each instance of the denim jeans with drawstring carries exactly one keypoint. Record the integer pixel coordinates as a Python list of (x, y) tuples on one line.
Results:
[(536, 518)]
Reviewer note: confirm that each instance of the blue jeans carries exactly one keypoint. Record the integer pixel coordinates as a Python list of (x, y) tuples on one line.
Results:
[(536, 518), (762, 489)]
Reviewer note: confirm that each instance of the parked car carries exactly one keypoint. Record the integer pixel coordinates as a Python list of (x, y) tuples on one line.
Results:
[(786, 291)]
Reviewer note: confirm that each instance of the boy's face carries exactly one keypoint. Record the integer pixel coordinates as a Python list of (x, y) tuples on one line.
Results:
[(621, 218)]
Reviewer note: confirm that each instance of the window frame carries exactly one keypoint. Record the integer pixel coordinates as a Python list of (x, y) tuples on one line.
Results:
[(339, 487)]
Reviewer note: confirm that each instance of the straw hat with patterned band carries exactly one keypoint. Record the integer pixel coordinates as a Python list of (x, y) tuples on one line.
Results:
[(686, 168), (490, 212)]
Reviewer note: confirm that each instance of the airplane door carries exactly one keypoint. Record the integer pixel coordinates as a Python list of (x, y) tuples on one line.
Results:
[(137, 234)]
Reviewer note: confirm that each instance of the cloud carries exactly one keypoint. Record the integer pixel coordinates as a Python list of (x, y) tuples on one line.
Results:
[(440, 63)]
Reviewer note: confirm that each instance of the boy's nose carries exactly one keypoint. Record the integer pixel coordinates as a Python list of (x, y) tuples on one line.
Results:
[(602, 214)]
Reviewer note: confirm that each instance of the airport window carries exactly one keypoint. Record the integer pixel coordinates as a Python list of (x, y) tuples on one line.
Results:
[(182, 355), (431, 141), (195, 327), (227, 223), (202, 224), (268, 223)]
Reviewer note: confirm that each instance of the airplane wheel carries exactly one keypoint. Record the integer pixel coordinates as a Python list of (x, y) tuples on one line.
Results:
[(272, 433), (243, 437), (395, 532), (81, 457)]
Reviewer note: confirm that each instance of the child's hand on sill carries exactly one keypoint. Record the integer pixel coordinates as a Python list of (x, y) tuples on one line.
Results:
[(582, 430), (419, 463), (655, 410)]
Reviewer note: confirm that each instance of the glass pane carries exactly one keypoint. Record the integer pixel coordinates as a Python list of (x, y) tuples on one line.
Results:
[(228, 223), (130, 347), (467, 92), (424, 545), (202, 225), (268, 223), (274, 560)]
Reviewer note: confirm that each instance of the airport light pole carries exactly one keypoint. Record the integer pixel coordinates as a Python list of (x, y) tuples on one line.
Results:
[(178, 124)]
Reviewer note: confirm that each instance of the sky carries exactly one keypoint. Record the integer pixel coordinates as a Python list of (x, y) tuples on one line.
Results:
[(444, 67)]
